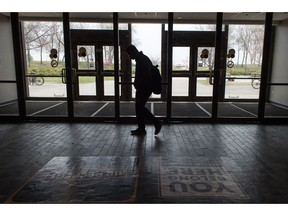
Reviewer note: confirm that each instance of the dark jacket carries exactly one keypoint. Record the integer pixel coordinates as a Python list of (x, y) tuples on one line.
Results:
[(143, 72)]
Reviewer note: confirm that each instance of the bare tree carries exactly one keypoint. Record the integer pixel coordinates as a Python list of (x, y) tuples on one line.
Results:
[(43, 38), (248, 41), (258, 44), (244, 38), (30, 30), (56, 40)]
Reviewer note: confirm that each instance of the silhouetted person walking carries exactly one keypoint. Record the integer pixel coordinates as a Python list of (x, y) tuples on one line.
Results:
[(142, 84)]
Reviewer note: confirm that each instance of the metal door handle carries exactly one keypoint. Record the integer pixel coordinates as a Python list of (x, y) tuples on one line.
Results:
[(211, 73), (63, 73)]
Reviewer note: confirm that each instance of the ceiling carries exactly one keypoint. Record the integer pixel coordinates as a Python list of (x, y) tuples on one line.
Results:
[(154, 17)]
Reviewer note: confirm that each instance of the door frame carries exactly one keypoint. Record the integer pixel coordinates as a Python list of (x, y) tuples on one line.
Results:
[(99, 38), (193, 39)]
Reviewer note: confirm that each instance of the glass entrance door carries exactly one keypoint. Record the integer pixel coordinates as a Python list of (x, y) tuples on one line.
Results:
[(94, 72), (192, 74), (86, 71), (94, 79), (182, 71), (192, 80), (204, 73)]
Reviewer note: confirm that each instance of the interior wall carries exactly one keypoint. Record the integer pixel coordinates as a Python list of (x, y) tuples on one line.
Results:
[(8, 91), (278, 94)]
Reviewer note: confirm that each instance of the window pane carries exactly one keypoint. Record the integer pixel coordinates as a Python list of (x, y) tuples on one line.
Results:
[(109, 86), (242, 88), (45, 87), (205, 64), (87, 85), (181, 58), (204, 88), (108, 58), (86, 62), (180, 86)]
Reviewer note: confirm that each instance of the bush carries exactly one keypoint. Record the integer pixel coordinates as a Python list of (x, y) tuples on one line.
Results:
[(46, 69), (237, 70)]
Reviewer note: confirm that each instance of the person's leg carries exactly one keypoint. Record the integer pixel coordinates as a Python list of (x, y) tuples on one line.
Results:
[(141, 100), (142, 112), (148, 115)]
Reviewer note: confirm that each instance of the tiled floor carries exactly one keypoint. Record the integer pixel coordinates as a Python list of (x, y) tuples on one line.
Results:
[(103, 163)]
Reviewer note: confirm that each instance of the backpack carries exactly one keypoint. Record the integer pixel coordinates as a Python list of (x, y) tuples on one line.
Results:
[(156, 80)]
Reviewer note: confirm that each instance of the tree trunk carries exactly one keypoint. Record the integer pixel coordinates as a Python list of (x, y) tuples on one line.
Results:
[(246, 59), (59, 45), (260, 57), (243, 58), (29, 57), (41, 62), (238, 55)]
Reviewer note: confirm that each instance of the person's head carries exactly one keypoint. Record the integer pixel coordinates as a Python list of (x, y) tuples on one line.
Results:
[(132, 51)]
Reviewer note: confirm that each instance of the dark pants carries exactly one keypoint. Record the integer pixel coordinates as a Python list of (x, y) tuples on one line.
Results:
[(142, 112)]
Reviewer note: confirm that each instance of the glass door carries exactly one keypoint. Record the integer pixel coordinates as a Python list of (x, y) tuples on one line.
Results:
[(45, 93), (182, 73), (93, 72), (94, 79), (192, 75), (86, 73), (204, 73), (192, 80)]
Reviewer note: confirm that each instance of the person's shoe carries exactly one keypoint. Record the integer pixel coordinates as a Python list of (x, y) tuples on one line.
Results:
[(158, 127), (138, 132)]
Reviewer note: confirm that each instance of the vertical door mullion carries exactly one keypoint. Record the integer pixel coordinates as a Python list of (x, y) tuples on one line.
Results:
[(265, 65), (169, 64), (68, 65), (116, 65), (193, 65), (76, 88), (217, 66), (99, 72), (18, 64)]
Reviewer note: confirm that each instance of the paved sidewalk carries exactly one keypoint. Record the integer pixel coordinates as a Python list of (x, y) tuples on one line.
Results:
[(234, 89)]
